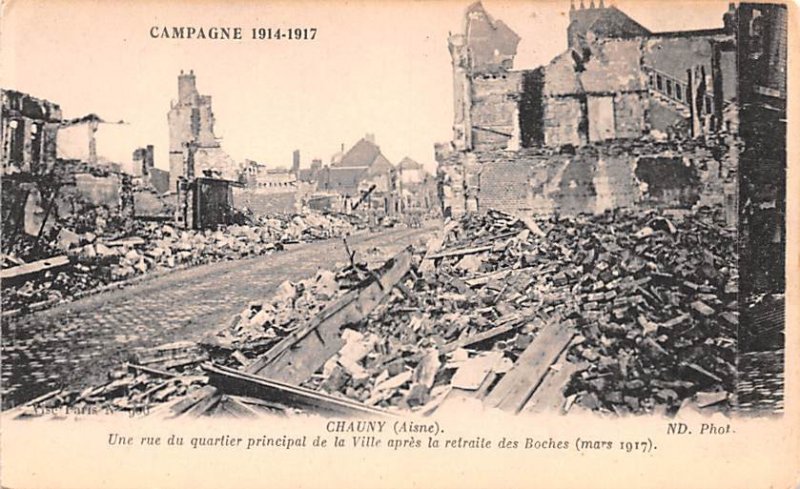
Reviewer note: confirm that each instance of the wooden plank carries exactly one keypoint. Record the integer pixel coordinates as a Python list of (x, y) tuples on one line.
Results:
[(295, 358), (507, 325), (237, 383), (471, 375), (132, 241), (33, 268), (192, 399), (205, 406), (433, 246), (458, 396), (549, 396), (460, 252), (514, 390)]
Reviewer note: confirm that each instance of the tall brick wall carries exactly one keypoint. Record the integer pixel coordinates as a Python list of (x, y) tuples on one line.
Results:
[(504, 185)]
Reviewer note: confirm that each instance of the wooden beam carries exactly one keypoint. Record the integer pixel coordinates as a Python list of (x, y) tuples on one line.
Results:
[(295, 358), (549, 396), (506, 325), (460, 252), (150, 370), (192, 399), (514, 390), (235, 382), (33, 268)]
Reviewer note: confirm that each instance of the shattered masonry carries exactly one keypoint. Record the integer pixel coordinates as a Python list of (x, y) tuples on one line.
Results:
[(617, 85), (191, 129)]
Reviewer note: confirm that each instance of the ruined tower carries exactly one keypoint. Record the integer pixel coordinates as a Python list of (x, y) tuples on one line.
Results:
[(191, 120), (482, 58)]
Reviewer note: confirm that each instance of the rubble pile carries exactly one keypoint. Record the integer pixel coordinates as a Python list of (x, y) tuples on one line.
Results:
[(104, 250), (126, 391), (262, 324), (648, 299), (651, 297), (153, 377), (310, 226)]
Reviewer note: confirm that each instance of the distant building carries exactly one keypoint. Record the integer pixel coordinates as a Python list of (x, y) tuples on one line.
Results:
[(312, 174), (359, 168), (409, 171), (259, 176), (158, 179), (268, 191)]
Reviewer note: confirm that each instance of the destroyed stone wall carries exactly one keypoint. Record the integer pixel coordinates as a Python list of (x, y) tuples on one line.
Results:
[(595, 179), (14, 196), (595, 95), (158, 179), (505, 185), (629, 112), (216, 161), (563, 121), (620, 81), (492, 44), (262, 203), (673, 56), (494, 113), (147, 203), (99, 190)]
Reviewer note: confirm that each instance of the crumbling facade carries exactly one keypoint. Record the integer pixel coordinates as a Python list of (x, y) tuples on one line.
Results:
[(191, 130), (484, 87), (616, 80), (615, 84), (29, 129), (43, 187)]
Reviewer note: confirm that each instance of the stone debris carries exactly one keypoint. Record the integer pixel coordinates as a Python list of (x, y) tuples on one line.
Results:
[(631, 321), (138, 249), (132, 389)]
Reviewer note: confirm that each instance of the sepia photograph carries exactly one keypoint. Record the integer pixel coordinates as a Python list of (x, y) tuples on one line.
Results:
[(370, 212)]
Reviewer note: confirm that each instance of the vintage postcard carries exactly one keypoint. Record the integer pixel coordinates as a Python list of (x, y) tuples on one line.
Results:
[(372, 244)]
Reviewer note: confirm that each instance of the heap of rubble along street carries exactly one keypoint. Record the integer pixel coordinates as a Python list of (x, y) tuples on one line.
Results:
[(623, 312)]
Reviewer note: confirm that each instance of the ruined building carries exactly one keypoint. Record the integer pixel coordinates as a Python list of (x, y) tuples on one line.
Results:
[(43, 183), (615, 80), (547, 139), (191, 130), (29, 129)]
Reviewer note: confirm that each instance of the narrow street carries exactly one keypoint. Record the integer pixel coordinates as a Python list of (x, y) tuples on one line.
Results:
[(76, 344)]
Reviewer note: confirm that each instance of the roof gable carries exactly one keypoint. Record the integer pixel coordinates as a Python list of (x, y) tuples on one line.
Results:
[(362, 154), (603, 22)]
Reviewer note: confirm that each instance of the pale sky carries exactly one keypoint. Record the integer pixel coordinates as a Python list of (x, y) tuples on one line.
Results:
[(374, 67)]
